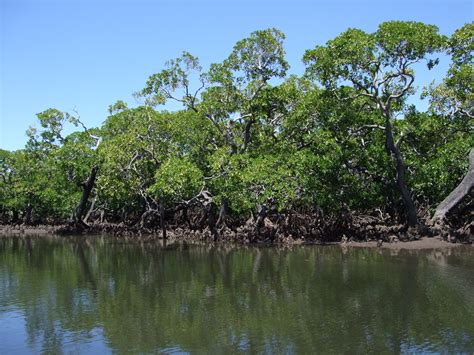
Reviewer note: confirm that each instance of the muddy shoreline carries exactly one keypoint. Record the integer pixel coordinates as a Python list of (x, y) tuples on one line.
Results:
[(120, 234), (424, 243)]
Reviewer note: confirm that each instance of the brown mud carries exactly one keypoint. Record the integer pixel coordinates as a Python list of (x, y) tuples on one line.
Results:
[(354, 231), (420, 244)]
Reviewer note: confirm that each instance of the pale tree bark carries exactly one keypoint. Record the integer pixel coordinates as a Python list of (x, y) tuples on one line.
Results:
[(458, 194), (91, 209)]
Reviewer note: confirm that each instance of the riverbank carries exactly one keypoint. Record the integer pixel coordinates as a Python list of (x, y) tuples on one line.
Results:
[(404, 240), (423, 243)]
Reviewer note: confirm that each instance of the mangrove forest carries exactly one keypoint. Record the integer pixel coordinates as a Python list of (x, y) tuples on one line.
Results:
[(254, 154)]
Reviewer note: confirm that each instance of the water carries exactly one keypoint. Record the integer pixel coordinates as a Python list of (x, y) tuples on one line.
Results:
[(91, 295)]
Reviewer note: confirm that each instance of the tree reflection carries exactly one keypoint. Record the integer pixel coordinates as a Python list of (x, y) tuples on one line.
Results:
[(198, 298)]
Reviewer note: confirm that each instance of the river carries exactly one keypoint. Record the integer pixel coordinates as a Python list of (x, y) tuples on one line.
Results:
[(95, 295)]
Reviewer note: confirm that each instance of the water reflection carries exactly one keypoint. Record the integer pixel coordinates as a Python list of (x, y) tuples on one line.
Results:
[(88, 294)]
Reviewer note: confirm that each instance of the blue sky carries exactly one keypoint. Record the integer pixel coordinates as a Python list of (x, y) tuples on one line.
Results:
[(87, 54)]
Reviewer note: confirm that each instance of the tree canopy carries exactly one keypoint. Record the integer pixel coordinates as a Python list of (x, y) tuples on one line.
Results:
[(254, 144)]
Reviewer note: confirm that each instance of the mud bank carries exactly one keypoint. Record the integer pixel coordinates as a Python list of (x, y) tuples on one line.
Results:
[(420, 244), (387, 237)]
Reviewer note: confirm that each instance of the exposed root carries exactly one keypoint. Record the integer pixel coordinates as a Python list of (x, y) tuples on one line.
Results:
[(274, 229)]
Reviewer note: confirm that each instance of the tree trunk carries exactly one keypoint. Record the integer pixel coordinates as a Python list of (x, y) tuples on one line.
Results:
[(458, 194), (14, 217), (87, 186), (212, 220), (185, 217), (91, 209), (29, 214), (262, 213), (222, 212), (394, 151), (162, 218)]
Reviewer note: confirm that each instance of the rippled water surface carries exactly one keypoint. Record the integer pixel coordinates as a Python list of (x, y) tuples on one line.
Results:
[(91, 295)]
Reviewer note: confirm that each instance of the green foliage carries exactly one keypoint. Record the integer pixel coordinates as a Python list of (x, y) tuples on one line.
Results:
[(461, 45), (407, 40), (454, 97), (138, 144), (117, 107), (379, 69), (251, 135), (44, 180), (261, 56), (175, 76), (437, 150), (378, 65), (177, 179)]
